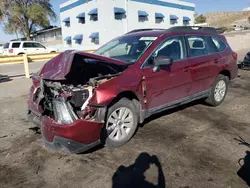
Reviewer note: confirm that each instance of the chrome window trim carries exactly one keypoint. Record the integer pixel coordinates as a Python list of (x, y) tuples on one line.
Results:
[(187, 58)]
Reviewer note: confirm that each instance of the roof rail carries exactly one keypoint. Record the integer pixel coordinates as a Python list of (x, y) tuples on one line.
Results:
[(210, 30), (147, 29)]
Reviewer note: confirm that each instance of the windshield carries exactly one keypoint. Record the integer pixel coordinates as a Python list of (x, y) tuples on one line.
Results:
[(126, 48)]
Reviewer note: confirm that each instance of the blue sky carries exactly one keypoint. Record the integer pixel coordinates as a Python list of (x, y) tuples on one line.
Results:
[(202, 6)]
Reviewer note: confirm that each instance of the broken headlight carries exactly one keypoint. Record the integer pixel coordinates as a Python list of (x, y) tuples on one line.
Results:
[(63, 112)]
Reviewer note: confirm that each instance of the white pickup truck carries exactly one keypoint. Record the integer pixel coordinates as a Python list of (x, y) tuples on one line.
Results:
[(25, 47)]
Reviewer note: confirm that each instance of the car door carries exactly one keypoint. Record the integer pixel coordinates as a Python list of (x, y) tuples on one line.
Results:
[(170, 84), (39, 48), (28, 48), (202, 63)]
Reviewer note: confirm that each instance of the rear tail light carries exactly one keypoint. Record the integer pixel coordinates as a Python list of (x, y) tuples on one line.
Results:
[(235, 56), (11, 50)]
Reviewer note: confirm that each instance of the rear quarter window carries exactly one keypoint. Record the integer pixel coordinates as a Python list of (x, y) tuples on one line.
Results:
[(16, 44), (197, 46), (220, 45)]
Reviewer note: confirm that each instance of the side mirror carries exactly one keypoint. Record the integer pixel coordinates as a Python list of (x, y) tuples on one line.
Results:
[(162, 61)]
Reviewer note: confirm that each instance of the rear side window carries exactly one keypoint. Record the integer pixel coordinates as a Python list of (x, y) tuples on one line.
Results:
[(197, 46), (15, 44), (28, 45), (211, 45), (6, 45), (220, 45)]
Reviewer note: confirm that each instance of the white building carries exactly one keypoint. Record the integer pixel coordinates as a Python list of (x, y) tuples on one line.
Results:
[(87, 24)]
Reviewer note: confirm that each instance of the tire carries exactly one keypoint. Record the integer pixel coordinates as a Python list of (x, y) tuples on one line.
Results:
[(216, 99), (117, 134)]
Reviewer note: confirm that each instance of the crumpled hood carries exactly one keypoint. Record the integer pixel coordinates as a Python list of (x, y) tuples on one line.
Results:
[(59, 67)]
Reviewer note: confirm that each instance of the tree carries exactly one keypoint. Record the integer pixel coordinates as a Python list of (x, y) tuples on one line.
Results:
[(200, 19), (248, 19), (24, 16)]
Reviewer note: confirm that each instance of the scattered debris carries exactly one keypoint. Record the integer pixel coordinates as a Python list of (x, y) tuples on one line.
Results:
[(37, 170), (4, 136), (37, 130)]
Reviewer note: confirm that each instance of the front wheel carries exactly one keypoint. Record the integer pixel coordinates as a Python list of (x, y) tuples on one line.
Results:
[(218, 91), (121, 123)]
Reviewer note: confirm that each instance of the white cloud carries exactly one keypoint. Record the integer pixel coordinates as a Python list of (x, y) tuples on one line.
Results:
[(246, 9)]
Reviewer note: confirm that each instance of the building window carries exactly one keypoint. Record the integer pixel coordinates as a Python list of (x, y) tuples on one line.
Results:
[(173, 22), (78, 39), (186, 20), (67, 22), (68, 40), (159, 17), (186, 23), (81, 18), (142, 16), (93, 14), (119, 13), (94, 38), (173, 19)]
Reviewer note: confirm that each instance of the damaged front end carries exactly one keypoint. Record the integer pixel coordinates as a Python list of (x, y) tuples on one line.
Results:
[(70, 81), (66, 103)]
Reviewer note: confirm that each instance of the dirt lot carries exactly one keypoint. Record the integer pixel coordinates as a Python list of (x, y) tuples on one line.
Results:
[(194, 144)]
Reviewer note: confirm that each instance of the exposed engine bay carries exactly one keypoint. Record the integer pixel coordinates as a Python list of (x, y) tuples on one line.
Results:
[(67, 100)]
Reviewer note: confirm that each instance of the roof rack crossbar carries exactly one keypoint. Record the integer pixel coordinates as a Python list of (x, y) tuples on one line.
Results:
[(147, 29), (192, 29), (209, 30)]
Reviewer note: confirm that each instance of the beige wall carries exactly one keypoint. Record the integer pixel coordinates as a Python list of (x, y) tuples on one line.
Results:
[(239, 41)]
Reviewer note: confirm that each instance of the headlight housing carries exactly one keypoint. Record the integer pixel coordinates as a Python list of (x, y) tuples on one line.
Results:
[(63, 112)]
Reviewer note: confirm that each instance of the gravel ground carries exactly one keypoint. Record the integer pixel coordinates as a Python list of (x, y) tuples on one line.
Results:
[(193, 145)]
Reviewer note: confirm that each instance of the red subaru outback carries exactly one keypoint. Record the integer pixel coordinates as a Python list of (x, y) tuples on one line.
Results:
[(86, 99)]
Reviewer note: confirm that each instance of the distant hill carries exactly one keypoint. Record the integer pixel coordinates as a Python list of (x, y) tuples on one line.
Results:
[(218, 19)]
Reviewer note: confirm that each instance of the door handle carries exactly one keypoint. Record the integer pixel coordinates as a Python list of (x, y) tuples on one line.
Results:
[(186, 69), (216, 60)]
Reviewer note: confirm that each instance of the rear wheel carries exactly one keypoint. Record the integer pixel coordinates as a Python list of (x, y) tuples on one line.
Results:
[(218, 91), (121, 123)]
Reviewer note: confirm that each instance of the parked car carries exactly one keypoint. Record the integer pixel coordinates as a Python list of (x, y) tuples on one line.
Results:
[(246, 63), (25, 47), (86, 99)]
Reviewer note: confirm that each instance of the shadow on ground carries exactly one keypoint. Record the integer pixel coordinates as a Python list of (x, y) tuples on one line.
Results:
[(4, 78), (133, 176), (244, 171)]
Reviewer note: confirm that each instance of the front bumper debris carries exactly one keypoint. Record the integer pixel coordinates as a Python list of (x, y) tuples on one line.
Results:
[(76, 137)]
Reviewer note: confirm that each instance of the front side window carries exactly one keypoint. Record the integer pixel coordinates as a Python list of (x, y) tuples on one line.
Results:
[(16, 44), (126, 48), (172, 48), (37, 45), (221, 46), (197, 46)]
